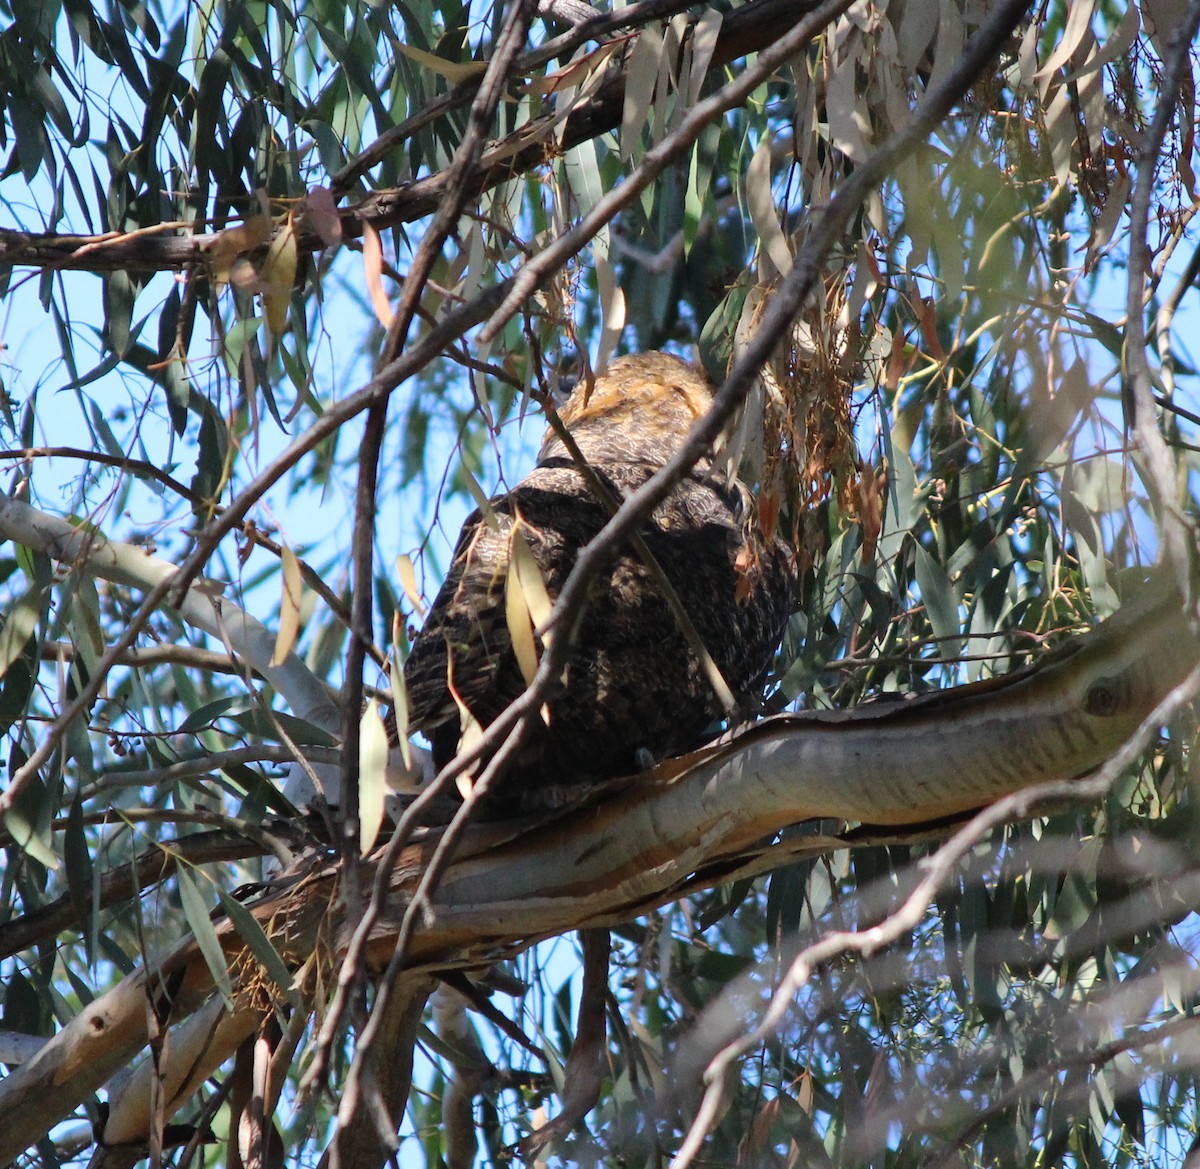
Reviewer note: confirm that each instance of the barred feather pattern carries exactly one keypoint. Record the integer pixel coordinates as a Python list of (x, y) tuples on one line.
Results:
[(632, 689)]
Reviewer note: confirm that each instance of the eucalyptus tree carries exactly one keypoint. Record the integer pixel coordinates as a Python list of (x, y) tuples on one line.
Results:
[(289, 286)]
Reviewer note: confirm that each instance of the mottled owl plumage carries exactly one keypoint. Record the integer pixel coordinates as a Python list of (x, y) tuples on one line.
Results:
[(631, 684)]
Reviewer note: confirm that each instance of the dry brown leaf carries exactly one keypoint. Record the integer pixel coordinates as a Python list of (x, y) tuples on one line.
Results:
[(289, 606), (320, 208), (576, 72), (899, 362), (927, 320), (278, 277), (226, 246), (869, 489), (452, 71), (373, 269)]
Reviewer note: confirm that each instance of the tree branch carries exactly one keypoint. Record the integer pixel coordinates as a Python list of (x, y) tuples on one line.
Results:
[(748, 29), (1140, 414), (202, 607), (638, 843)]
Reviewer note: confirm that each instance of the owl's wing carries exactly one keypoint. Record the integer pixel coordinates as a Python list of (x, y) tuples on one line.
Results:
[(465, 637), (465, 647)]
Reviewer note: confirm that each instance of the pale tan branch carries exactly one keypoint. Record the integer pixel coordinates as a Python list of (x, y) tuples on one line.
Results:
[(203, 607), (640, 842)]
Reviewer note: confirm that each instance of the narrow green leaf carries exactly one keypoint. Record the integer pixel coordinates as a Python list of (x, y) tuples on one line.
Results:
[(260, 945), (941, 605), (258, 722), (77, 862), (19, 624), (199, 922), (209, 713), (119, 297), (25, 819)]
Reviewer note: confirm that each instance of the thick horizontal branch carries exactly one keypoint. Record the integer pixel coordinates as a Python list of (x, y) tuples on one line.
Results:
[(745, 30), (907, 762), (124, 883), (638, 844)]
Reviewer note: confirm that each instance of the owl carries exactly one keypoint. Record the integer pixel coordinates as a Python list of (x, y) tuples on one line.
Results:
[(632, 690)]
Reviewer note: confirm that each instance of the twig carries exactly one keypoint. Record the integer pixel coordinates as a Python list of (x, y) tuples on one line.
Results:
[(585, 1065), (200, 607), (125, 883), (1034, 1083), (938, 869), (1141, 416), (139, 467), (155, 655), (610, 503), (183, 768), (443, 853), (457, 174), (633, 16), (1163, 322), (349, 812), (511, 39), (658, 158)]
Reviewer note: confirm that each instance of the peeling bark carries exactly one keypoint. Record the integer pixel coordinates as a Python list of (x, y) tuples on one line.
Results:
[(642, 842)]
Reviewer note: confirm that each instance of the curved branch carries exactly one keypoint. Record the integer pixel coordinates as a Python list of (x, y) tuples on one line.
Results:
[(125, 882), (636, 844), (1140, 415), (202, 606), (748, 29)]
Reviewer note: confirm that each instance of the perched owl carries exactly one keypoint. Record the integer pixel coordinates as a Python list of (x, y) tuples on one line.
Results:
[(632, 690)]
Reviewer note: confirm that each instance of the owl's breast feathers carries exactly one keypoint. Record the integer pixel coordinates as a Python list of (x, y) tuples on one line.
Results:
[(631, 685)]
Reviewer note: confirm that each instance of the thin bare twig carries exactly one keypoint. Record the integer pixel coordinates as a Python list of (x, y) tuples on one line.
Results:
[(139, 467), (634, 16), (202, 608), (1163, 322), (145, 470), (127, 882), (1141, 416), (443, 853), (673, 147), (361, 610), (610, 503), (586, 1062), (114, 780), (512, 39), (938, 870)]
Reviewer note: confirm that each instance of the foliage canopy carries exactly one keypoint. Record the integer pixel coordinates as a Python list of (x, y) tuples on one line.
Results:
[(286, 281)]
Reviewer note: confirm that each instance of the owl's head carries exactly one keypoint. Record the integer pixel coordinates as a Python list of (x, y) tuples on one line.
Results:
[(639, 409)]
